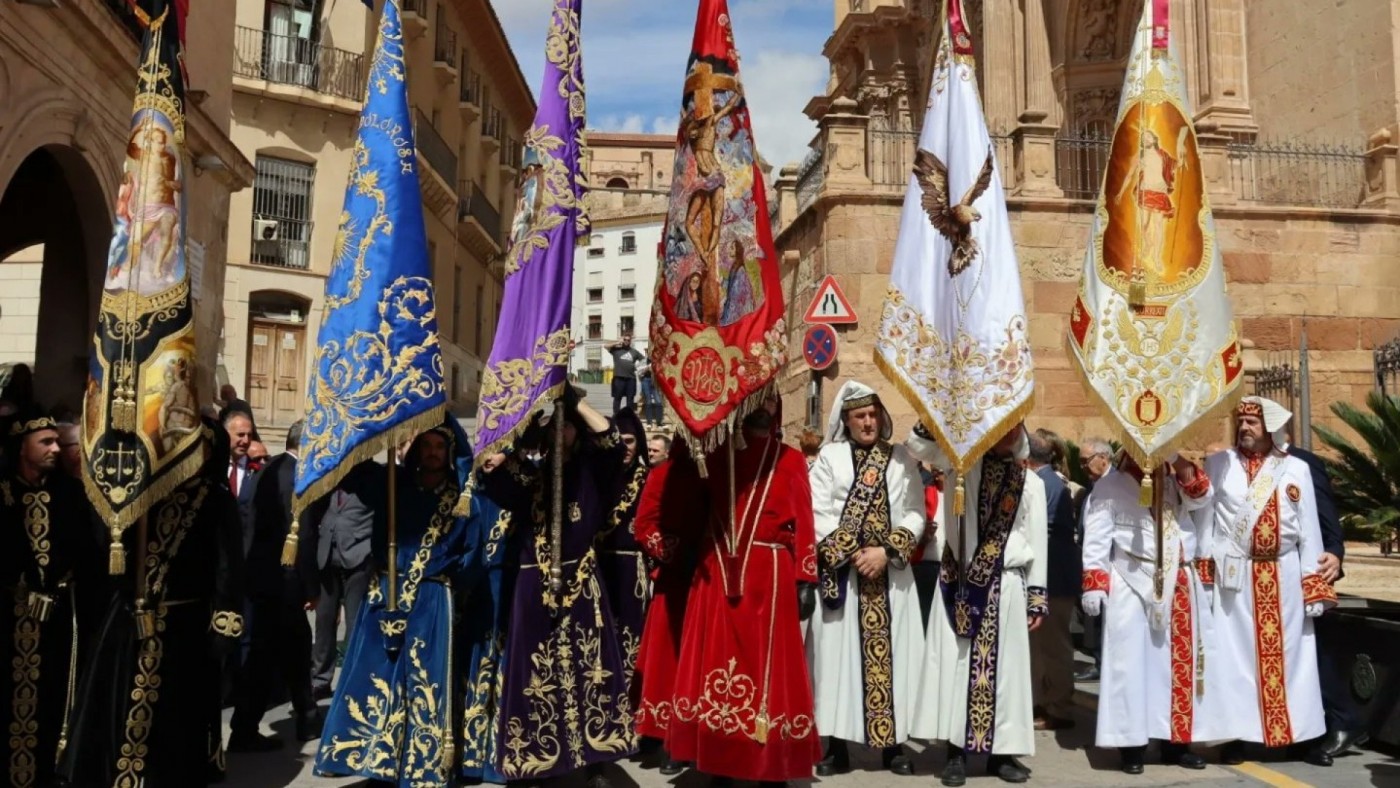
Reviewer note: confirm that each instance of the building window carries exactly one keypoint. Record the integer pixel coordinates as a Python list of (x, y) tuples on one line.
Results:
[(627, 324), (480, 316), (595, 326), (595, 295), (627, 293), (282, 212), (595, 251), (617, 183), (629, 243), (594, 359)]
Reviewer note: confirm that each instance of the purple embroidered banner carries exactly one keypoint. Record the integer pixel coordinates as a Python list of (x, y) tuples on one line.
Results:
[(530, 356)]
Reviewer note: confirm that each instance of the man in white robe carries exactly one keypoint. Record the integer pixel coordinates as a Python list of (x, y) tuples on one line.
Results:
[(866, 648), (1266, 545), (1153, 663), (976, 686)]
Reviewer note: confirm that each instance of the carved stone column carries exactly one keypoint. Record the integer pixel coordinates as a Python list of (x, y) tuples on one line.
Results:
[(1220, 66), (1034, 142), (785, 192), (1039, 85), (1382, 172), (1001, 79), (1215, 163)]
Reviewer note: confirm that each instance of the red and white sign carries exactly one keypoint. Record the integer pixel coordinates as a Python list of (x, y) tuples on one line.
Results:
[(830, 305), (819, 346)]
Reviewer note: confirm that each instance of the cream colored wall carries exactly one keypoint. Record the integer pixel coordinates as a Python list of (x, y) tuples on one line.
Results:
[(605, 160), (19, 304)]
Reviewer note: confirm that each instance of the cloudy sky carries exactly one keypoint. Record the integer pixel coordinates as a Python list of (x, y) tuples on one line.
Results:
[(635, 52)]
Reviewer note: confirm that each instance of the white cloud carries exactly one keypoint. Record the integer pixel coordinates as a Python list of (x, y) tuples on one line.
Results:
[(778, 85)]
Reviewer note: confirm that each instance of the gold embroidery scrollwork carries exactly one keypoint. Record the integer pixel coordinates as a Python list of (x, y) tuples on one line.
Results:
[(507, 386), (24, 703), (226, 623), (726, 706)]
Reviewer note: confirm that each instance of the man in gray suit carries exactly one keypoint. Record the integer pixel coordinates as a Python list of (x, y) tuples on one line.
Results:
[(343, 555)]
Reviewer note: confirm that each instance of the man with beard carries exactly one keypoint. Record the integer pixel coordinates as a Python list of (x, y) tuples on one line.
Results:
[(756, 580), (392, 718), (148, 707), (866, 644), (976, 686), (1267, 549), (50, 568), (564, 705)]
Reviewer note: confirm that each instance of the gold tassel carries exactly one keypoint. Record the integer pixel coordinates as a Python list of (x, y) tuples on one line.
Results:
[(1145, 491), (289, 548), (959, 498), (760, 728), (116, 557)]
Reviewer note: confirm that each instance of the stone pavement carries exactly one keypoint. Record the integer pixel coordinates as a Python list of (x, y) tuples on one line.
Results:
[(1062, 759)]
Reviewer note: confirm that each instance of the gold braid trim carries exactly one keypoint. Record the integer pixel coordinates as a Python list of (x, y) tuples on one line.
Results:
[(226, 623), (24, 703), (442, 521)]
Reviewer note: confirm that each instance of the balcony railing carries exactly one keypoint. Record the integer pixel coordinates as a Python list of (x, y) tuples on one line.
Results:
[(492, 123), (471, 86), (289, 60), (810, 177), (473, 204), (445, 45), (1080, 159), (1298, 173), (434, 148), (511, 153), (282, 243)]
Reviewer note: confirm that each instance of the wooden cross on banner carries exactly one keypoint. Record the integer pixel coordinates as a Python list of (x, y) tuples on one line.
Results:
[(703, 82)]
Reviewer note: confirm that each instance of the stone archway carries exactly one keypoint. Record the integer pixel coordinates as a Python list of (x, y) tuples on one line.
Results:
[(55, 200)]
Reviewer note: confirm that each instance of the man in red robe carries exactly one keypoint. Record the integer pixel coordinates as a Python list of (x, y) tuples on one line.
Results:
[(743, 699), (671, 517)]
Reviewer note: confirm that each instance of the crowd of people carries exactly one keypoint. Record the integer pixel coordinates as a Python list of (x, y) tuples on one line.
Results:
[(731, 610)]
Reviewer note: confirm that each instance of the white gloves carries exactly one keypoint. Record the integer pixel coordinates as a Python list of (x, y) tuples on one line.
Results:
[(1314, 609), (1093, 602)]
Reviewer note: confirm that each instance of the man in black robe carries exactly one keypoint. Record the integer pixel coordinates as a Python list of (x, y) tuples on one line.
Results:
[(50, 561), (147, 711)]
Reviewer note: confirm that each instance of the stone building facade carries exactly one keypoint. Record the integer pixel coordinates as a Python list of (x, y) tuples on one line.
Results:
[(67, 81), (1300, 166), (299, 70)]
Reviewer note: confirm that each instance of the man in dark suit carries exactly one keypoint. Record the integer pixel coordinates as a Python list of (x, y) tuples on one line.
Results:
[(1344, 727), (1052, 646), (343, 559), (280, 647)]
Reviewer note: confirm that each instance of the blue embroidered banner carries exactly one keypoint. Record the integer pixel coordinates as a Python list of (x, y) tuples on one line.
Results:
[(378, 374)]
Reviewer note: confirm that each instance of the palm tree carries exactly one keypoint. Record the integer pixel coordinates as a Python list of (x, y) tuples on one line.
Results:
[(1367, 482)]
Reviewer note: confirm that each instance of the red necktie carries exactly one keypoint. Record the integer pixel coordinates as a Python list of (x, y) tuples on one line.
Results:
[(233, 478)]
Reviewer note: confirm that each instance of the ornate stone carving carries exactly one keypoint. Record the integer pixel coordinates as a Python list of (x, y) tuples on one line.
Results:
[(1093, 105), (1098, 29)]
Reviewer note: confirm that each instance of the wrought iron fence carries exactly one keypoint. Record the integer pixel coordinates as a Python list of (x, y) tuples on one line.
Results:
[(1080, 159), (444, 40), (1005, 148), (1278, 378), (491, 122), (474, 204), (1298, 173), (810, 178), (471, 85), (434, 148), (1387, 362), (290, 60), (281, 227)]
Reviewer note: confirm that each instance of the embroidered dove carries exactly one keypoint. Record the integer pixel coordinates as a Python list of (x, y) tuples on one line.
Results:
[(952, 220)]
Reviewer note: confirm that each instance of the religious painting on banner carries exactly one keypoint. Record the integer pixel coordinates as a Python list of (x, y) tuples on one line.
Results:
[(377, 379), (1152, 330), (953, 331), (717, 330), (529, 360), (141, 424)]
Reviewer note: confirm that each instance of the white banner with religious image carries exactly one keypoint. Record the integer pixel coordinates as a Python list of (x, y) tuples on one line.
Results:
[(1152, 330), (953, 332)]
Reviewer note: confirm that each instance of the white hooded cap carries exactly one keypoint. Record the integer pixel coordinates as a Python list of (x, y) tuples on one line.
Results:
[(853, 395), (1275, 417)]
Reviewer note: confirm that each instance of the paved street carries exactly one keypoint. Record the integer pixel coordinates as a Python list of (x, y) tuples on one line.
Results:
[(1061, 760)]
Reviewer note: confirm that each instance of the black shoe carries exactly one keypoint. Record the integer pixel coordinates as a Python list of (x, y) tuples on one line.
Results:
[(322, 693), (900, 765), (955, 772), (1008, 769), (671, 768), (597, 777), (1232, 754), (1337, 742), (721, 782), (836, 761), (309, 726), (1316, 756), (1130, 759), (772, 784), (253, 742), (1090, 673), (1176, 754)]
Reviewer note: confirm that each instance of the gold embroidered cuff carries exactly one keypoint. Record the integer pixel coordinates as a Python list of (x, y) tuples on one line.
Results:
[(1315, 589), (393, 627), (902, 541), (227, 623), (609, 439), (838, 548), (1037, 601), (1095, 580)]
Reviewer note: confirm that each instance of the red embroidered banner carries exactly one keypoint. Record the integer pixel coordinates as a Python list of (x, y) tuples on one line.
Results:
[(718, 337)]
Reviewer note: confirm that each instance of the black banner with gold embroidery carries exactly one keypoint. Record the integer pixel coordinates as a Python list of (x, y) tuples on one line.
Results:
[(141, 424)]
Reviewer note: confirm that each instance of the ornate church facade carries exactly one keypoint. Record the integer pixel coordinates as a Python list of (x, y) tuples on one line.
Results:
[(1299, 161)]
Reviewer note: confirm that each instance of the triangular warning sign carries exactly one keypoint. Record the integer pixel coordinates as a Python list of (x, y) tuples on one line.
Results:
[(830, 305)]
